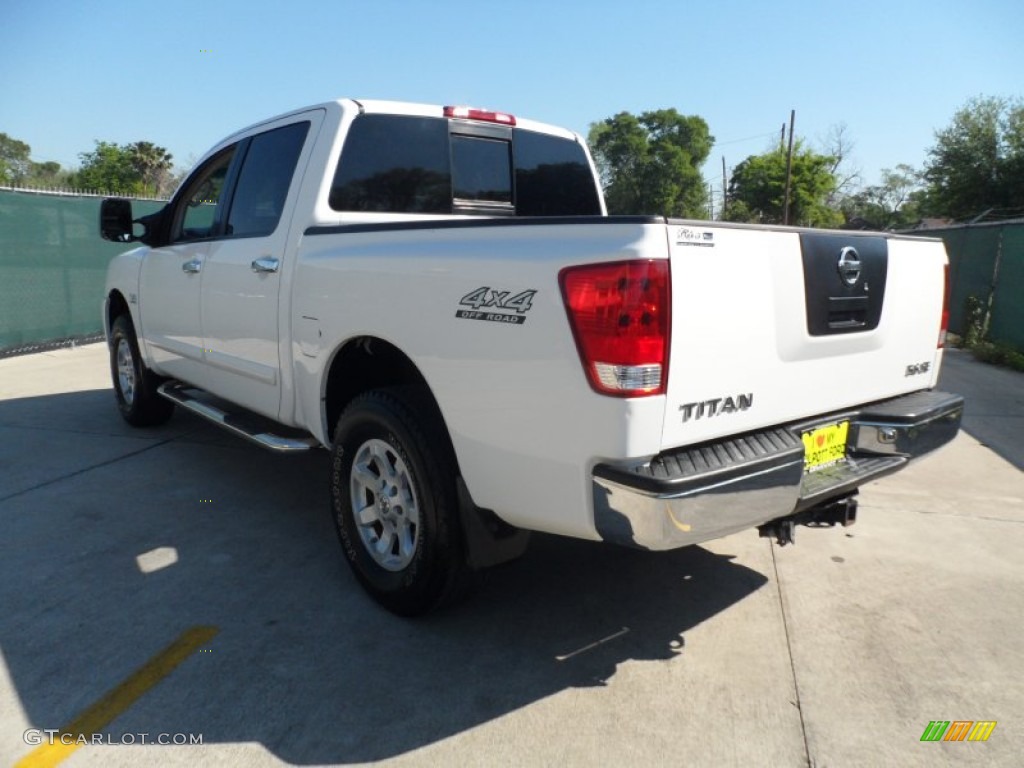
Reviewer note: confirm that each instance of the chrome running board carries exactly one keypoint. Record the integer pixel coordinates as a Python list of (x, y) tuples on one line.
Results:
[(243, 424)]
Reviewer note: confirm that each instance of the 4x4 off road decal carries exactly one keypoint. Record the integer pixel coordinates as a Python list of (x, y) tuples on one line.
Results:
[(496, 306)]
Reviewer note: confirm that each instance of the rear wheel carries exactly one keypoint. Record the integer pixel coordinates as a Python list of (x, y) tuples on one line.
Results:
[(134, 385), (394, 504)]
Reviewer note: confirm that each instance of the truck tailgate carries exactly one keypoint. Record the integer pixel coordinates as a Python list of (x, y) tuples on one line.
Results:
[(772, 326)]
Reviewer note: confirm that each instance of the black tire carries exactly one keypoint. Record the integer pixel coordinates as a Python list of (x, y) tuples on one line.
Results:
[(408, 554), (134, 384)]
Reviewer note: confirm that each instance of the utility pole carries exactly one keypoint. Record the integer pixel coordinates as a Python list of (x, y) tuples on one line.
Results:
[(782, 137), (725, 192), (789, 165)]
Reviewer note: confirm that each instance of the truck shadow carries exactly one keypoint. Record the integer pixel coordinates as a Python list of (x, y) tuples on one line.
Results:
[(304, 663)]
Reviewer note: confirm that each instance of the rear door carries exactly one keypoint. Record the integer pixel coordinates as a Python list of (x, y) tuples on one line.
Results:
[(244, 270), (771, 326)]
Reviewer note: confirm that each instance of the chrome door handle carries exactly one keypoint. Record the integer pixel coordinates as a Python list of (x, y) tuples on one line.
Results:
[(265, 264), (192, 267)]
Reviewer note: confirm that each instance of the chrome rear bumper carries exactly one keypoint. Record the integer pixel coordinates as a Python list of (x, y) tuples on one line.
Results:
[(703, 492)]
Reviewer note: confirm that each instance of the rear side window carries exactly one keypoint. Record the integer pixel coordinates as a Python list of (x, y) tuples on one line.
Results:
[(395, 165), (553, 177), (404, 164), (264, 180)]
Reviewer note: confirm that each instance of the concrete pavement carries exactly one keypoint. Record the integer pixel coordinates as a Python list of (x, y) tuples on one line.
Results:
[(995, 409), (836, 652)]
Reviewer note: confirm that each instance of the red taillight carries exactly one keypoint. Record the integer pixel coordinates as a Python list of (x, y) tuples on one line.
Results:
[(945, 310), (620, 315), (470, 113)]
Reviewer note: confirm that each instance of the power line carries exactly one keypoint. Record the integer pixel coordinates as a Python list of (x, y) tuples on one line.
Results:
[(749, 138)]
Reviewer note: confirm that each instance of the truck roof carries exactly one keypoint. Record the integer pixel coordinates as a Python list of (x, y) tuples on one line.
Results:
[(381, 106)]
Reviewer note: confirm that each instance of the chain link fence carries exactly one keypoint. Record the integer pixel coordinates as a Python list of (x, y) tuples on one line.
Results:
[(52, 268)]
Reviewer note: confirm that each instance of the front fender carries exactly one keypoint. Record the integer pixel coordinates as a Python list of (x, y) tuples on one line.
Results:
[(123, 274)]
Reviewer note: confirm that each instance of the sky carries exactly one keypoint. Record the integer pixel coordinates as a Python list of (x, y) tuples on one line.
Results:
[(183, 75)]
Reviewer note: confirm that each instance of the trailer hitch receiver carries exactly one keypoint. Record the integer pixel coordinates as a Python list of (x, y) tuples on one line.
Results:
[(838, 511)]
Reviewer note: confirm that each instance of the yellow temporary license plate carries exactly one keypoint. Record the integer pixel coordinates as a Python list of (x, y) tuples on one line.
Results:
[(825, 446)]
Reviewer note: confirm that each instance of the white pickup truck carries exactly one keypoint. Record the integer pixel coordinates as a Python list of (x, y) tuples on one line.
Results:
[(438, 297)]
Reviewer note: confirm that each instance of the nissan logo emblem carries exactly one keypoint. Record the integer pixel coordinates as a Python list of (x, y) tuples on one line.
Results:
[(849, 265)]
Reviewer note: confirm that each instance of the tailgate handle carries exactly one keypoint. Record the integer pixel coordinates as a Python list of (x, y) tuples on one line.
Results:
[(847, 312), (265, 264)]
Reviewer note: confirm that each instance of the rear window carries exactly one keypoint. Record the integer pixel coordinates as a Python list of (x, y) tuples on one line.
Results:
[(553, 177), (481, 169), (403, 164), (394, 165)]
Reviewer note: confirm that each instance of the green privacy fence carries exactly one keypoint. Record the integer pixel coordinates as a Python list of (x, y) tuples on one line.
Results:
[(52, 266), (987, 261)]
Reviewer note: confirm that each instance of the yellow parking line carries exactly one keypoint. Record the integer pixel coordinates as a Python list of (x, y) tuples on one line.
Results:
[(118, 699)]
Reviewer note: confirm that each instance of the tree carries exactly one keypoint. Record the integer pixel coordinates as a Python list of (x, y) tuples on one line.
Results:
[(758, 184), (108, 168), (17, 167), (48, 174), (977, 162), (14, 160), (891, 204), (153, 164), (134, 169), (651, 163), (839, 146)]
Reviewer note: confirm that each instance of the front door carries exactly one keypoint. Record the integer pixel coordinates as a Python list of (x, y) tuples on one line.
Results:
[(171, 276)]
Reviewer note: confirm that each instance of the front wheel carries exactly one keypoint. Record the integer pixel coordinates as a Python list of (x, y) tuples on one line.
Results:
[(134, 384), (394, 504)]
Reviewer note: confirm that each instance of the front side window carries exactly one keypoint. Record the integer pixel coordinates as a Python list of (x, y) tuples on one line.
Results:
[(197, 215), (264, 180), (394, 164)]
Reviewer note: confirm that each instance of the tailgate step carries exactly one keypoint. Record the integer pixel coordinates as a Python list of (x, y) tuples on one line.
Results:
[(718, 462), (251, 426)]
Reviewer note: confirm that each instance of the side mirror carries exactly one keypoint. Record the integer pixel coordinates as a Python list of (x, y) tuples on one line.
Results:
[(116, 220)]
